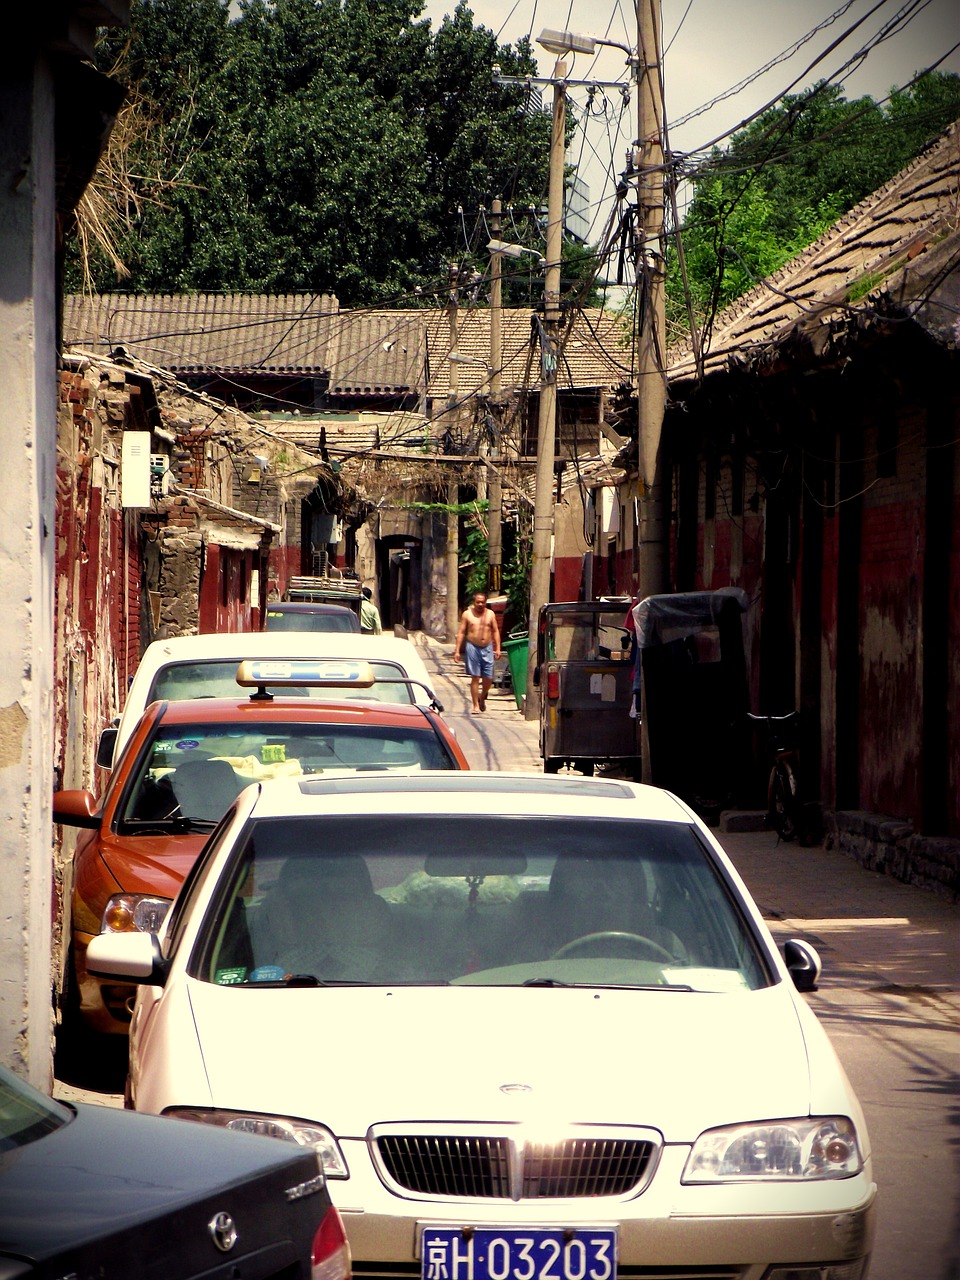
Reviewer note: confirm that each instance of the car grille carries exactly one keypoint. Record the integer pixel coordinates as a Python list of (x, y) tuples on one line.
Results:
[(498, 1167)]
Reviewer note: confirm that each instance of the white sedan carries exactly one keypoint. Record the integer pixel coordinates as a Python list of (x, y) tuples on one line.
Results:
[(534, 1027)]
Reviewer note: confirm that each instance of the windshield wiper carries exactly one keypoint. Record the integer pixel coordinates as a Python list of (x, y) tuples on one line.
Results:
[(164, 826), (290, 980), (636, 986), (311, 980), (608, 986)]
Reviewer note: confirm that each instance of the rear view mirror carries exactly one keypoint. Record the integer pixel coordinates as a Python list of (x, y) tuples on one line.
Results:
[(127, 957), (474, 865), (106, 747), (75, 809), (803, 962)]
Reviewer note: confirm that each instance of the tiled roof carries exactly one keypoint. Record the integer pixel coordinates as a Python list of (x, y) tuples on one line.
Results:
[(889, 254), (352, 433), (367, 353), (195, 333), (375, 352), (594, 351)]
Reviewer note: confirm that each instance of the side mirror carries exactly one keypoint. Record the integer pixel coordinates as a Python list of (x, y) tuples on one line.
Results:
[(536, 676), (106, 747), (127, 957), (803, 963), (75, 809)]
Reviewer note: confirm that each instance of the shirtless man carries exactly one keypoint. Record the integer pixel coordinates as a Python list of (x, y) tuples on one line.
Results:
[(481, 635)]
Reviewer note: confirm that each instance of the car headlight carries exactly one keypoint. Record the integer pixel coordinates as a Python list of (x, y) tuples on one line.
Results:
[(134, 913), (303, 1132), (776, 1151)]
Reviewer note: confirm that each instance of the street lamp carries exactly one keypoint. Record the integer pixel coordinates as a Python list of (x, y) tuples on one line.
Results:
[(507, 250), (456, 358), (561, 42)]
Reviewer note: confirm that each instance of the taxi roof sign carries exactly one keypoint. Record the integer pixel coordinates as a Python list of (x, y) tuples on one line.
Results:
[(279, 673)]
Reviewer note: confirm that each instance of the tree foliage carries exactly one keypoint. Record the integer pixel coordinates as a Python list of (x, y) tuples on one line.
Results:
[(312, 145), (787, 177)]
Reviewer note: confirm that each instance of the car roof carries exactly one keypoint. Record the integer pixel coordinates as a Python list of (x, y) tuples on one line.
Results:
[(313, 645), (306, 606), (479, 793), (278, 644), (325, 710)]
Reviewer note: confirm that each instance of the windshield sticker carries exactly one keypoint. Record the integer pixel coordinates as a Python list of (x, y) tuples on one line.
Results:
[(268, 973), (186, 744), (230, 977)]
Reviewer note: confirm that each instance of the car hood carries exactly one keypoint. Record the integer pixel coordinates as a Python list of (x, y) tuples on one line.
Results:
[(152, 864), (678, 1061)]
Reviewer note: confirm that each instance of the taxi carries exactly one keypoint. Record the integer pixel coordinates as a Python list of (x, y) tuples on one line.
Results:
[(204, 666), (184, 765)]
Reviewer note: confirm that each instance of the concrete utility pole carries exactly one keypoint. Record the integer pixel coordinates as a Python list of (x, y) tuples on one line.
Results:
[(654, 575), (28, 451), (453, 487), (546, 423), (495, 493)]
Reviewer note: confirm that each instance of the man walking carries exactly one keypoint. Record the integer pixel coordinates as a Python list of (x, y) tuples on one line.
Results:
[(369, 614), (479, 638)]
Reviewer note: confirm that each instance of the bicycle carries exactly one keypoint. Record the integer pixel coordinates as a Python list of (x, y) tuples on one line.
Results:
[(785, 806)]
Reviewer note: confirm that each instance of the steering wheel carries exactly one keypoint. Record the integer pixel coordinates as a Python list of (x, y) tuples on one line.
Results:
[(634, 941)]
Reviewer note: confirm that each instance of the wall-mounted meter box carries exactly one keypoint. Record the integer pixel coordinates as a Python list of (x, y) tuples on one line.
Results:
[(159, 474), (135, 469)]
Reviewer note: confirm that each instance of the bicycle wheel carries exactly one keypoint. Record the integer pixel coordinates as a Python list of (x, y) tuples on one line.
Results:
[(784, 802)]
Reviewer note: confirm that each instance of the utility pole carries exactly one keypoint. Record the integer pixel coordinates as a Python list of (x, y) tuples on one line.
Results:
[(495, 492), (654, 576), (543, 512), (453, 487)]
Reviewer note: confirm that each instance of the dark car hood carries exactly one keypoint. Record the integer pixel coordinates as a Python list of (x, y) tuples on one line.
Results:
[(149, 1186)]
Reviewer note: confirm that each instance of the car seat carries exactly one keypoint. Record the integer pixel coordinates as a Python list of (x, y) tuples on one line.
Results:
[(205, 789), (323, 917), (606, 894)]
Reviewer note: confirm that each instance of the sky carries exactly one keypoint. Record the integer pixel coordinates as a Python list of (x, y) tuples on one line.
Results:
[(713, 45)]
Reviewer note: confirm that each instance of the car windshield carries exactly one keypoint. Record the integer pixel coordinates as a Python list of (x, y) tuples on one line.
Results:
[(586, 636), (196, 771), (184, 681), (25, 1114), (310, 620), (479, 900)]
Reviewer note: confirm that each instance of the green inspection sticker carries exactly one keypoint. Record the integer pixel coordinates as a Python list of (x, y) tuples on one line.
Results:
[(230, 977)]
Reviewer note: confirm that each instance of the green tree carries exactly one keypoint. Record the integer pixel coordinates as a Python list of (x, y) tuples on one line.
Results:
[(313, 145), (786, 178)]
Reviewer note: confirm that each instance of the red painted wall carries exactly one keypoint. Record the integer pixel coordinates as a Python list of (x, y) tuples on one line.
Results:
[(225, 579)]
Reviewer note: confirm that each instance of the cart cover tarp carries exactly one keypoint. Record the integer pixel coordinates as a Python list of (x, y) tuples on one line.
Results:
[(663, 619)]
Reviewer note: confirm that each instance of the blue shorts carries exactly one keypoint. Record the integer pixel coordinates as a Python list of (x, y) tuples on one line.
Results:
[(479, 662)]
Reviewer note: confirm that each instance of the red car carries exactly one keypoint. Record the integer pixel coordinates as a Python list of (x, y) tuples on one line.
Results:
[(185, 764)]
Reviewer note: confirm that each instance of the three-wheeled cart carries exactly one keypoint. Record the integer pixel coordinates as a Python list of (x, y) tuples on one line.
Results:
[(585, 677), (694, 703)]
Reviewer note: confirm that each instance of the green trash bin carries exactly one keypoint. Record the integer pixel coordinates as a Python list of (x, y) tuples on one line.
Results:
[(516, 650)]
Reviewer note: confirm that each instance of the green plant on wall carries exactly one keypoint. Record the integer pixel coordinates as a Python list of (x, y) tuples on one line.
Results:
[(516, 574), (473, 552), (473, 561)]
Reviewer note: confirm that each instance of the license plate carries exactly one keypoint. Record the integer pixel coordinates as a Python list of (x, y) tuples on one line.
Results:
[(516, 1253)]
